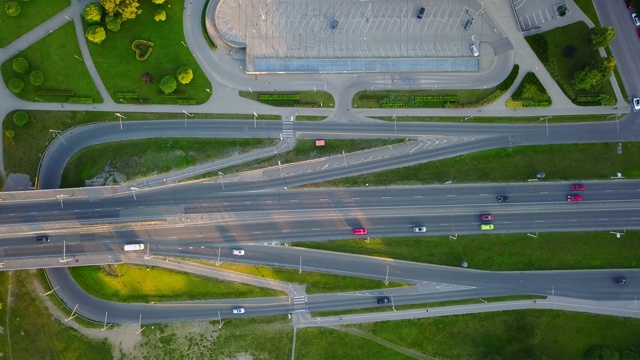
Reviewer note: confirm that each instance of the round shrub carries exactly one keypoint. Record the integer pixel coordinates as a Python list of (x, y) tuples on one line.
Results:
[(158, 1), (185, 75), (36, 77), (20, 65), (113, 23), (12, 8), (92, 13), (16, 85), (10, 133), (168, 84), (20, 118), (160, 15), (96, 34)]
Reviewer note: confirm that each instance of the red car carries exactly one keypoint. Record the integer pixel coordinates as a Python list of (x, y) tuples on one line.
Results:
[(638, 32), (629, 4), (359, 231), (579, 187), (486, 217), (574, 198)]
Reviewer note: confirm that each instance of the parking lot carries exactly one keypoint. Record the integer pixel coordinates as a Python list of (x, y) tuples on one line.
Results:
[(531, 14), (373, 29)]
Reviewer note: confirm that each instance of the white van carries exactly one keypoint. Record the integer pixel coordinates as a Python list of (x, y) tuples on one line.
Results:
[(132, 247)]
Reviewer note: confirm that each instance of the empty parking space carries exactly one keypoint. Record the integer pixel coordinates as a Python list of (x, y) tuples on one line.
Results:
[(531, 14)]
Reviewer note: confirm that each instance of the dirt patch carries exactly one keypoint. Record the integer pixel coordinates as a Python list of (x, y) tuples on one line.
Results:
[(17, 182), (107, 178)]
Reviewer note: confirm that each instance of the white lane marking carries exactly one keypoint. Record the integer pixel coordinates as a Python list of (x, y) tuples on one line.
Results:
[(286, 230), (483, 194), (417, 196), (608, 190), (386, 197), (602, 219), (315, 229), (293, 200), (538, 221), (635, 219), (573, 220), (544, 192), (444, 224), (450, 195), (257, 232), (355, 198), (225, 203)]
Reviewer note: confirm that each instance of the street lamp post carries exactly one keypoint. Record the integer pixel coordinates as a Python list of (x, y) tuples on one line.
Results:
[(185, 117), (120, 116), (221, 181), (255, 121), (133, 189)]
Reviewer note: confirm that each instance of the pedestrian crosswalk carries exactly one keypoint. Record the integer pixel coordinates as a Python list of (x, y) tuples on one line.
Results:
[(287, 127), (300, 302)]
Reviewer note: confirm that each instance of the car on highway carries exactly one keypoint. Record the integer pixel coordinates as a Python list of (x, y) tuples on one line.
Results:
[(486, 227), (577, 187), (238, 310), (636, 101), (419, 229), (43, 238), (486, 217), (238, 252), (574, 198), (383, 300), (629, 4), (421, 13), (635, 19), (620, 280), (474, 50), (503, 198), (359, 231)]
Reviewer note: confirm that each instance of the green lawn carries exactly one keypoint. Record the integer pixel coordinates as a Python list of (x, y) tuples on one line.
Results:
[(588, 9), (563, 335), (309, 118), (121, 72), (327, 343), (54, 55), (134, 283), (33, 13), (499, 120), (140, 158), (503, 252), (559, 162), (34, 333), (316, 283), (321, 99), (22, 153)]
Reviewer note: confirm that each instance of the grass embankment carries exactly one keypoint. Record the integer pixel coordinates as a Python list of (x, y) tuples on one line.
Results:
[(503, 252), (510, 334), (140, 158), (121, 71), (33, 13), (55, 56), (309, 118), (307, 150), (22, 153), (559, 162), (133, 283), (316, 283), (381, 308), (33, 332), (315, 99), (499, 120)]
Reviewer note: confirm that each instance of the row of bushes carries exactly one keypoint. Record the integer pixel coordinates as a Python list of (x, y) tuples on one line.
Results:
[(595, 100), (446, 98), (282, 102), (55, 92), (186, 101), (412, 102), (80, 100), (174, 95), (519, 104), (127, 95), (267, 97)]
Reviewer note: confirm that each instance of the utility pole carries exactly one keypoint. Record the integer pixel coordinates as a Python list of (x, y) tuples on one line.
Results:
[(105, 326), (344, 158), (64, 253), (395, 118), (134, 192), (220, 320), (59, 197), (218, 262), (139, 325)]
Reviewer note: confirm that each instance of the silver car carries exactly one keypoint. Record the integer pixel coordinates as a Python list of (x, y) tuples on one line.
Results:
[(238, 310), (419, 229), (474, 50)]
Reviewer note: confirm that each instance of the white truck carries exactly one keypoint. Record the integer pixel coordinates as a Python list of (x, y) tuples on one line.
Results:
[(132, 247)]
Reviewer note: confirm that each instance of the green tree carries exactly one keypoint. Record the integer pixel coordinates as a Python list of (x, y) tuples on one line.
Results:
[(160, 15), (92, 13), (113, 22), (606, 65), (36, 77), (587, 78), (158, 1), (601, 36), (601, 353), (12, 8), (20, 65), (185, 75), (96, 34), (168, 84), (20, 118), (628, 355), (10, 133), (128, 9), (16, 85)]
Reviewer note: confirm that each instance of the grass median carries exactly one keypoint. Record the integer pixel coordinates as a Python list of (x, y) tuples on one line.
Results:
[(503, 252), (316, 283), (315, 99), (139, 158), (33, 13), (563, 162), (133, 283), (499, 120)]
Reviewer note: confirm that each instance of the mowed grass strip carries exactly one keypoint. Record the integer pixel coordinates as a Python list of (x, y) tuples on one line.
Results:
[(321, 99), (561, 162), (562, 335), (34, 333), (136, 284), (316, 283), (33, 13), (371, 99), (503, 252), (54, 55), (22, 153), (121, 71), (500, 120), (140, 158)]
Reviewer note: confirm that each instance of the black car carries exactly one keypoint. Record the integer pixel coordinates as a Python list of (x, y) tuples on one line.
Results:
[(43, 238), (620, 280), (503, 198), (383, 300), (421, 13)]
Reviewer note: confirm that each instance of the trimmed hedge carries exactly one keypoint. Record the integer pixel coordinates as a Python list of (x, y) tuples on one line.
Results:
[(142, 48), (446, 98), (267, 97), (127, 95), (55, 92), (174, 95), (80, 100), (186, 101)]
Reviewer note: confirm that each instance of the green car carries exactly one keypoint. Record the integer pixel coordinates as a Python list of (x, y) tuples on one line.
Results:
[(486, 227)]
